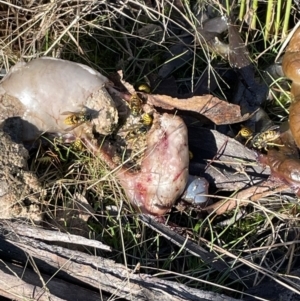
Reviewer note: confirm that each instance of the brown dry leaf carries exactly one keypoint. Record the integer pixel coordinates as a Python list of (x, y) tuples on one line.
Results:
[(215, 109)]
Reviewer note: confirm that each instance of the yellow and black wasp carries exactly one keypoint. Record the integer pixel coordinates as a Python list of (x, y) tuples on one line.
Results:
[(135, 104), (75, 119), (263, 139), (144, 88), (266, 138), (147, 119), (245, 132)]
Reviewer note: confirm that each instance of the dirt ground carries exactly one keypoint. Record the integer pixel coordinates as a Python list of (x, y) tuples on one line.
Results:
[(21, 194)]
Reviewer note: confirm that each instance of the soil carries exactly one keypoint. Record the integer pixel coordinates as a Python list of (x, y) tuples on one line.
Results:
[(21, 195)]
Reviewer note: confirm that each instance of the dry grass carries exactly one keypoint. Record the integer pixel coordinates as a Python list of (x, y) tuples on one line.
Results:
[(136, 37)]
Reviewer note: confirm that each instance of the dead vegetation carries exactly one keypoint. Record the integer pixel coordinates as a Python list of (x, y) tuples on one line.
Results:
[(242, 252)]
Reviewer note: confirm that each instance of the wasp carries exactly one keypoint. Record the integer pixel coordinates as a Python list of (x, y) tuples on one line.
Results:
[(75, 119), (135, 105), (144, 88), (245, 132), (266, 138), (78, 145), (147, 119)]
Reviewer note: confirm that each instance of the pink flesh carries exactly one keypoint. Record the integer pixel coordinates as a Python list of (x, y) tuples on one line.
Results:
[(164, 169)]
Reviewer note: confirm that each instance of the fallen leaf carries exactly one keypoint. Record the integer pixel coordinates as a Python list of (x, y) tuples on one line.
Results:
[(215, 109)]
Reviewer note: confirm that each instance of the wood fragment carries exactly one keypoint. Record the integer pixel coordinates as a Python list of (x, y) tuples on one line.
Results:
[(230, 163), (24, 284), (98, 272), (48, 235)]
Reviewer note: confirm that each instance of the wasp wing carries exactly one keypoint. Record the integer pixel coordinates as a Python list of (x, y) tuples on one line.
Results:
[(74, 126), (68, 113)]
